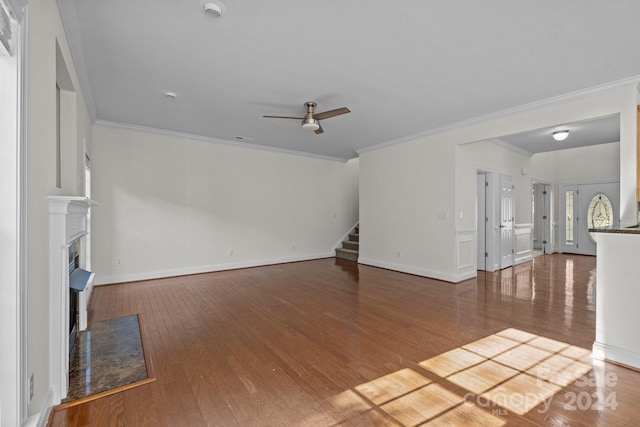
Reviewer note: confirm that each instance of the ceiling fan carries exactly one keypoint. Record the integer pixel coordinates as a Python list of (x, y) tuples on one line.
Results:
[(311, 120)]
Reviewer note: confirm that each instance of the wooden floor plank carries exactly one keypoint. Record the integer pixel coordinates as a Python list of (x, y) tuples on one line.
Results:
[(333, 343)]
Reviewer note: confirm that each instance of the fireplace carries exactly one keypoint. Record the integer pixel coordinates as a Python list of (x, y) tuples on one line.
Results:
[(70, 283)]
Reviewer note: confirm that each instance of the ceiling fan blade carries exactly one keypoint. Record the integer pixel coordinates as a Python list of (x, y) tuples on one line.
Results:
[(331, 113), (284, 117), (319, 130)]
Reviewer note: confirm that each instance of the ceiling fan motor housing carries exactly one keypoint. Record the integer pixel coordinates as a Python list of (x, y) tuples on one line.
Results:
[(311, 120)]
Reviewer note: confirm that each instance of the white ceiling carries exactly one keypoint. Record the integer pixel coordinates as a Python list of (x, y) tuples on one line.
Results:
[(403, 68), (581, 134)]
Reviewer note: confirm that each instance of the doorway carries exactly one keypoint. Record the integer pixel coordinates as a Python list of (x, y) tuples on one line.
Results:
[(584, 206), (541, 216), (486, 222), (507, 218), (495, 221), (482, 219)]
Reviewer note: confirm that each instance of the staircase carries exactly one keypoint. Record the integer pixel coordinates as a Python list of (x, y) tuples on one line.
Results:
[(350, 247)]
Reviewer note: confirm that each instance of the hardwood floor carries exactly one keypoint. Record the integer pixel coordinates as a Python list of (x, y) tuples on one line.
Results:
[(332, 343)]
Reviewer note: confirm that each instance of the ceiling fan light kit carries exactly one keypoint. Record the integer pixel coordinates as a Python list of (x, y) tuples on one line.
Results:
[(311, 119), (310, 124)]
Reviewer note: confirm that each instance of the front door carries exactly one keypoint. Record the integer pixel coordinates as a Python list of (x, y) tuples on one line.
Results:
[(506, 221), (587, 206)]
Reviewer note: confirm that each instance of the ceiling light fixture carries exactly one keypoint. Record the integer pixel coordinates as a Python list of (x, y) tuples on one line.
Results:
[(213, 9), (171, 95), (560, 135)]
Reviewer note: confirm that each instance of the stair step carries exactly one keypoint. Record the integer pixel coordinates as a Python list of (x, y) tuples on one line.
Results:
[(347, 254), (351, 245), (354, 237)]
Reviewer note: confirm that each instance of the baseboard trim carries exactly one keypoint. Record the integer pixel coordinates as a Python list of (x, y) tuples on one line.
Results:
[(524, 259), (149, 275), (446, 277), (616, 355), (41, 419)]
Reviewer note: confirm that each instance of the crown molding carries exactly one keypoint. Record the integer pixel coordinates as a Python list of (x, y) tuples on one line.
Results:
[(135, 128), (560, 99)]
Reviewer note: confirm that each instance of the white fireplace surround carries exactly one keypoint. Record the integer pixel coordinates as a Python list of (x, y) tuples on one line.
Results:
[(68, 222)]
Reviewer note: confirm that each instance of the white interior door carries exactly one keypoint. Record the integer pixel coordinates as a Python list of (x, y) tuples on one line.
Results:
[(481, 220), (507, 209)]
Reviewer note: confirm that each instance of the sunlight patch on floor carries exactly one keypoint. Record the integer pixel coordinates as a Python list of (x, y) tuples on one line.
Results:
[(391, 386), (512, 371), (423, 404)]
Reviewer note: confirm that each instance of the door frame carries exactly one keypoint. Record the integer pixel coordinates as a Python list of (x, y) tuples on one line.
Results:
[(547, 235)]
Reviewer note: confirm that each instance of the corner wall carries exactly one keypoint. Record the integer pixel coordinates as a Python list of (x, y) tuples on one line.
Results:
[(407, 217), (44, 30), (171, 205)]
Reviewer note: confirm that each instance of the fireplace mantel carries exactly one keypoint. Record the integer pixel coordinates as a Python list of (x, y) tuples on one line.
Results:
[(68, 222)]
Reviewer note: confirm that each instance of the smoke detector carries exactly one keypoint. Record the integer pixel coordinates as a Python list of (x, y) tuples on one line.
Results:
[(213, 9)]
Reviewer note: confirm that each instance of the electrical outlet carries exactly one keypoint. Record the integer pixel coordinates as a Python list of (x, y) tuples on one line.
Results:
[(230, 252), (31, 381), (118, 261), (293, 247)]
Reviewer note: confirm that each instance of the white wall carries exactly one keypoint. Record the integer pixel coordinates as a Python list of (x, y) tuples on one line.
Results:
[(44, 28), (489, 156), (170, 205), (578, 165), (407, 217), (397, 180), (617, 315)]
